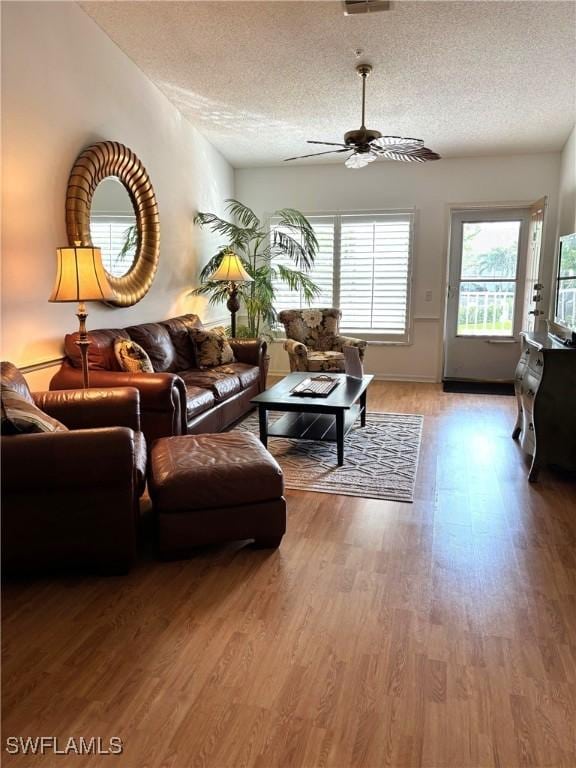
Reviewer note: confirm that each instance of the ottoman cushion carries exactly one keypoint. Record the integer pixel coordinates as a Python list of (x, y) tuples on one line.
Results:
[(210, 471)]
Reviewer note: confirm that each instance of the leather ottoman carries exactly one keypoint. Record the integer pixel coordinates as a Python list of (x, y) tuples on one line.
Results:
[(213, 488)]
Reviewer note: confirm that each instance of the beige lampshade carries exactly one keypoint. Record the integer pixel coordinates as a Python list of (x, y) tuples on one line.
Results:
[(231, 270), (80, 276)]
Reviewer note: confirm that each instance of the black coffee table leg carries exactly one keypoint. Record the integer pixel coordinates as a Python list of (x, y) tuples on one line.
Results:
[(363, 409), (340, 436), (263, 419)]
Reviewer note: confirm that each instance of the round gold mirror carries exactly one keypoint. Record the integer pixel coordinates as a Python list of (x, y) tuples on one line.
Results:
[(111, 204)]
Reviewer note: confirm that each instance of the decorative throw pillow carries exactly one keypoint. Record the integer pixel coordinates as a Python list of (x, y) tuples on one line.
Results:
[(211, 347), (19, 416), (132, 357)]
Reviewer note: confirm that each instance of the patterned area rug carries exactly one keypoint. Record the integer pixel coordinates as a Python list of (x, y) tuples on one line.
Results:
[(380, 459)]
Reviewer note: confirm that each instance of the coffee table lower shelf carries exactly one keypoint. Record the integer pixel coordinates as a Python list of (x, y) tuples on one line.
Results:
[(312, 426), (308, 425)]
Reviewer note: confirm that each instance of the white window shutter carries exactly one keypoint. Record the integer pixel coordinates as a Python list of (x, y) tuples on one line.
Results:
[(374, 272)]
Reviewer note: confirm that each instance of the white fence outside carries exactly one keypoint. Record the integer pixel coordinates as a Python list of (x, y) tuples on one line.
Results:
[(486, 313)]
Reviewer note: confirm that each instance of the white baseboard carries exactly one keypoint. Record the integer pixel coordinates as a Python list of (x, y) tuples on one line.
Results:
[(384, 377)]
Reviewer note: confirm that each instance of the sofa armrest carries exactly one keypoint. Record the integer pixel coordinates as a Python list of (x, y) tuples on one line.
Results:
[(53, 461), (294, 347), (249, 351), (349, 341), (252, 352), (297, 354), (162, 396), (89, 408)]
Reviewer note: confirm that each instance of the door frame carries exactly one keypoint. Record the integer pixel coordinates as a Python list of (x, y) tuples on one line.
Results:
[(449, 209)]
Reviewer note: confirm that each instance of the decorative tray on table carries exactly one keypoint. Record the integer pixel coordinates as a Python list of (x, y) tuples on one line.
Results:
[(315, 386)]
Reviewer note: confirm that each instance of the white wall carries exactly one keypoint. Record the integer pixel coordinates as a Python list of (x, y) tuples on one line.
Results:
[(65, 85), (430, 188), (567, 201)]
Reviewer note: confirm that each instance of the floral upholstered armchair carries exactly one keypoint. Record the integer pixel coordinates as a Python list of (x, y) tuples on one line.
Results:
[(313, 341)]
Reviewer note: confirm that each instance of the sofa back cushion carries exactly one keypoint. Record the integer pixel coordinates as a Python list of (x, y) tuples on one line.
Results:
[(316, 328), (167, 344), (179, 330), (155, 340), (101, 355)]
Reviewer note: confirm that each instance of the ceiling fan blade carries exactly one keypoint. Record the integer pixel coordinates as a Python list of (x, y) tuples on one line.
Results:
[(315, 154), (421, 155), (396, 141), (403, 158), (360, 160), (329, 143)]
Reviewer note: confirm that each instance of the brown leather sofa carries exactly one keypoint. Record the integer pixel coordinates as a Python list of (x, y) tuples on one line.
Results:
[(178, 398), (71, 498)]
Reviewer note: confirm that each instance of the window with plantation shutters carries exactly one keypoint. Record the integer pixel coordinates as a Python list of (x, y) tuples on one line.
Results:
[(109, 232), (363, 267)]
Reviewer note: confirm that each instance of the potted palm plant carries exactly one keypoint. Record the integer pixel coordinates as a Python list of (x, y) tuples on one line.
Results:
[(264, 256)]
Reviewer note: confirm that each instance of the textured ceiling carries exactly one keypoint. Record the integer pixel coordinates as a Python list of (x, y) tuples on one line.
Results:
[(259, 78)]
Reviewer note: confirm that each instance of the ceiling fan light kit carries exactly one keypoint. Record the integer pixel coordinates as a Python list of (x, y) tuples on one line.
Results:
[(368, 145)]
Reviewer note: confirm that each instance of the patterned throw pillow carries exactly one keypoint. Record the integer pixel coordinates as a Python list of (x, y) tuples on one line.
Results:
[(132, 357), (211, 347), (19, 416)]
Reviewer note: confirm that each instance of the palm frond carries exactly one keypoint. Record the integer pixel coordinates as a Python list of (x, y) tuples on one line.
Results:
[(292, 219), (244, 215), (217, 291), (287, 245), (211, 266), (299, 281), (237, 236)]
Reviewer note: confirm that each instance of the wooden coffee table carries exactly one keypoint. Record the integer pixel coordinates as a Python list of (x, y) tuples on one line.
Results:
[(313, 418)]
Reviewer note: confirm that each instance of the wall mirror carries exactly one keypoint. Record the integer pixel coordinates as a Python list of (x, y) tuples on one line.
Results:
[(110, 203)]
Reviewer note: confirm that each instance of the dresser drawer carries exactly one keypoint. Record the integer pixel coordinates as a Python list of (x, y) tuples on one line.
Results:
[(527, 440), (530, 383), (536, 362)]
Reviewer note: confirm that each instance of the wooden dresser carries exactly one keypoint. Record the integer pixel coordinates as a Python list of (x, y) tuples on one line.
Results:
[(545, 385)]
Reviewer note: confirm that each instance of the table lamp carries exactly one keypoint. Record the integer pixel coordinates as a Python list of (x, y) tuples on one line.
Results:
[(231, 270), (81, 277)]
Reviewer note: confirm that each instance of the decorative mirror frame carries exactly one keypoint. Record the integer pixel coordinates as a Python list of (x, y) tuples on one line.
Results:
[(93, 165)]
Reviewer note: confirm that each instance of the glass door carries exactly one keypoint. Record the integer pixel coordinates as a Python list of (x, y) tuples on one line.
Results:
[(485, 293)]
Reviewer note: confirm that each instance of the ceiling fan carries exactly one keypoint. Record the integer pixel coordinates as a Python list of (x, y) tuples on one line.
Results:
[(368, 145)]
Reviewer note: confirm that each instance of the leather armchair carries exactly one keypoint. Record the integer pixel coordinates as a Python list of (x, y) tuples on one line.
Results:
[(71, 498)]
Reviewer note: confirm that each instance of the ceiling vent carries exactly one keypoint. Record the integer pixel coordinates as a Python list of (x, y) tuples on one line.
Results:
[(352, 7)]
